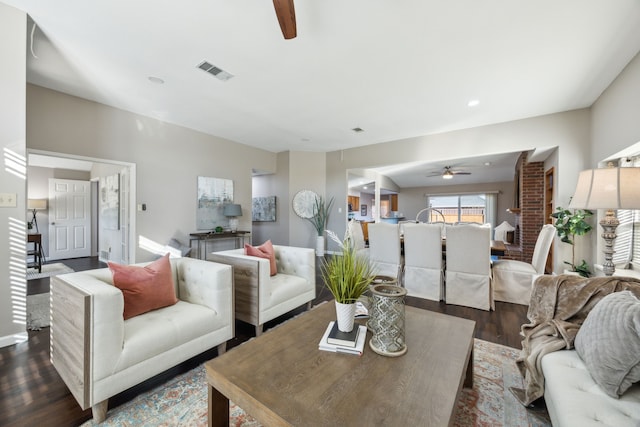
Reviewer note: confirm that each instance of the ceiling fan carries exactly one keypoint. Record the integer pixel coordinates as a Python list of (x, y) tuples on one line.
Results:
[(449, 173), (286, 17)]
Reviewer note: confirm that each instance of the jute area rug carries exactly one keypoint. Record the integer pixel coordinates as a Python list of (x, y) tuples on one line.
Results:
[(38, 311), (182, 401), (48, 270)]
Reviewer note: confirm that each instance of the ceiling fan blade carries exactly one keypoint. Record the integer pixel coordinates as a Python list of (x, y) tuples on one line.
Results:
[(286, 17), (460, 173)]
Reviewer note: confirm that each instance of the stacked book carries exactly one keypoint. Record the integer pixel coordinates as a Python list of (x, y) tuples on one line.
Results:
[(337, 341)]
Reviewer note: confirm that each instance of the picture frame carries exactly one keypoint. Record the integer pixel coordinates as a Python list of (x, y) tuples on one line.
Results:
[(109, 202), (213, 194), (263, 209)]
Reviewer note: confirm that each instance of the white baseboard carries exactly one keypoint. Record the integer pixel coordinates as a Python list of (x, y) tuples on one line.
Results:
[(13, 339)]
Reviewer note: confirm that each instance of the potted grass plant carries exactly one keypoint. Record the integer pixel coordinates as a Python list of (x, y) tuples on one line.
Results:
[(568, 225), (321, 210), (347, 276)]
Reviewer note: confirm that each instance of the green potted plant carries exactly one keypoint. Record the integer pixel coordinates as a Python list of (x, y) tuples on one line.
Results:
[(568, 225), (347, 276), (321, 210)]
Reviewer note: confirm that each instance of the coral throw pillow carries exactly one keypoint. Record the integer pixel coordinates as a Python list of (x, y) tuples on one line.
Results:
[(265, 250), (144, 288)]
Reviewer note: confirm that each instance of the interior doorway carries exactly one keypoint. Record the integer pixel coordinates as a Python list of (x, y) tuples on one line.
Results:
[(53, 165)]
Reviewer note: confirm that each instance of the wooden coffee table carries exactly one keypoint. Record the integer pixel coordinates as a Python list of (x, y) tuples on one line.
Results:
[(282, 379)]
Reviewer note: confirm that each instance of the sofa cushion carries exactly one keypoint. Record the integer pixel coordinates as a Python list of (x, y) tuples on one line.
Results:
[(263, 251), (144, 288), (609, 343), (158, 331)]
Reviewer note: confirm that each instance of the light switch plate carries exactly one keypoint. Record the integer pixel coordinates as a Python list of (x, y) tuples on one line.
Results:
[(8, 200)]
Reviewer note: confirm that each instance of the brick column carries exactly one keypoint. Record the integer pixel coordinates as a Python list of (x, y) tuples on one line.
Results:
[(531, 205)]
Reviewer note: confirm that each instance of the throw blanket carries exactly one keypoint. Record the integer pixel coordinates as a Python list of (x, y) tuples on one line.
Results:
[(559, 305)]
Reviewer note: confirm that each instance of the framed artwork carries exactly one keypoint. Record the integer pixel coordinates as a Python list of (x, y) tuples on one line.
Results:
[(110, 202), (363, 210), (213, 194), (263, 208)]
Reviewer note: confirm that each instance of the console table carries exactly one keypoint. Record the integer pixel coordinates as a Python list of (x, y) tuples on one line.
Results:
[(202, 239)]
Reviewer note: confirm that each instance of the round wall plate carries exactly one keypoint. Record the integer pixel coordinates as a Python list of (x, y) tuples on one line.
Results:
[(304, 203)]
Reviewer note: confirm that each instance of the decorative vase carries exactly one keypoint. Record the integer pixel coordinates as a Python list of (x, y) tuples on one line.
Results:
[(345, 314), (387, 320), (377, 280), (320, 246)]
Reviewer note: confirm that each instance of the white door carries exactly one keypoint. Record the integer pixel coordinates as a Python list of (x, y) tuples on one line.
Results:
[(69, 218)]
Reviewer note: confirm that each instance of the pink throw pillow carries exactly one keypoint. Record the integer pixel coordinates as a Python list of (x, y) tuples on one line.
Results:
[(263, 251), (144, 288)]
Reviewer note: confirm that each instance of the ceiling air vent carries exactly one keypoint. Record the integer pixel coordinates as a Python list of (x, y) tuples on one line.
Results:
[(219, 73)]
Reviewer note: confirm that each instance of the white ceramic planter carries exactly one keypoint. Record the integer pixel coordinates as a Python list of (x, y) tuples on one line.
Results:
[(345, 314), (320, 246)]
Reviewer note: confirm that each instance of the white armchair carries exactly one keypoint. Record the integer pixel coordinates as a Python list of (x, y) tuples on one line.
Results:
[(513, 280), (99, 354), (260, 297)]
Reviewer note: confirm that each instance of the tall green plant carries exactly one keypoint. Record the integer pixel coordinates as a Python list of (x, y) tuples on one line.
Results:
[(349, 275), (568, 225), (320, 214)]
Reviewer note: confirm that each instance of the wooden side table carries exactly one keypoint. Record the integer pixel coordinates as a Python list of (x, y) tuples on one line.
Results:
[(36, 252)]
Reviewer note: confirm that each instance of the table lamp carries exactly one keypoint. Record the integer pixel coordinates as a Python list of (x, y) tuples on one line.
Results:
[(608, 188), (35, 205), (232, 212)]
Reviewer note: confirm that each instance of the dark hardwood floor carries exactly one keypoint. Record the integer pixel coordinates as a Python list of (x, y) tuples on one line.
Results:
[(32, 393)]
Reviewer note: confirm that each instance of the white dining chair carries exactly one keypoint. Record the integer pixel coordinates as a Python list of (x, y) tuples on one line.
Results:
[(513, 280), (423, 261), (384, 250), (357, 236), (468, 267)]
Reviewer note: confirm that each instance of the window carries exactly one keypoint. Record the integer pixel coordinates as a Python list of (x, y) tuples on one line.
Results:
[(627, 243), (478, 208)]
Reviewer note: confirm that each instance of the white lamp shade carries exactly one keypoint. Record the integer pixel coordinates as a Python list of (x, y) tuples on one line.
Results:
[(232, 210), (38, 204), (607, 188)]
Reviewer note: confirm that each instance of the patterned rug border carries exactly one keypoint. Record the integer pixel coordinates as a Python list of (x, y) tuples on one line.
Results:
[(48, 270), (182, 401)]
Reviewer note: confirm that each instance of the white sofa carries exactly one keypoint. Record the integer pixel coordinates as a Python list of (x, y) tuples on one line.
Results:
[(99, 354), (574, 399), (260, 297)]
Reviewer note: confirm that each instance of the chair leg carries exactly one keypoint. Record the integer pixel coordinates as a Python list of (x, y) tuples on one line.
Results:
[(222, 348), (258, 330), (309, 305), (99, 411)]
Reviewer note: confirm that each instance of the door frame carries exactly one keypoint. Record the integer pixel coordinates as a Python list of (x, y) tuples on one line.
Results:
[(131, 240)]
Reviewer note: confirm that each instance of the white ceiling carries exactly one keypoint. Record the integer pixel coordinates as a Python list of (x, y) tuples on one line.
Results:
[(396, 69), (481, 169)]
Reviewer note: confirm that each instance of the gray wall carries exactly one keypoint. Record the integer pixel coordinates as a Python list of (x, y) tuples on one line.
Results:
[(615, 125), (168, 158), (276, 184), (13, 30)]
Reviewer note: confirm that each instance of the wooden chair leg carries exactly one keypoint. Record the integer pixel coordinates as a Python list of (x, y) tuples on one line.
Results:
[(222, 348), (258, 330), (99, 411)]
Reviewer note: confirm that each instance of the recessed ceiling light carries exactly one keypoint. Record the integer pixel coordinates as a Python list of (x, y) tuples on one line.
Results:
[(156, 80), (365, 187), (473, 103), (487, 163)]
